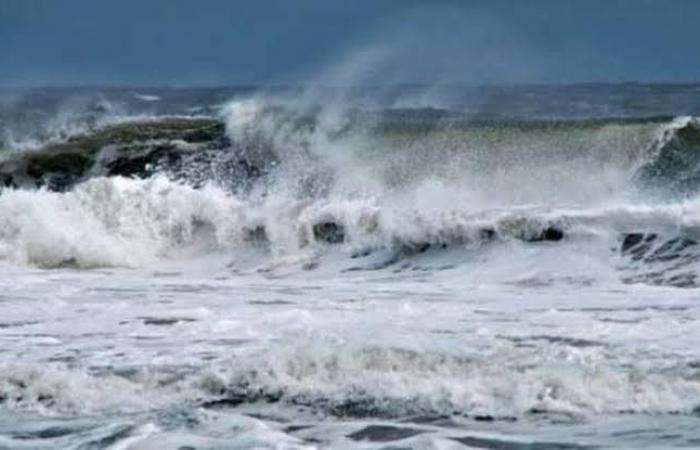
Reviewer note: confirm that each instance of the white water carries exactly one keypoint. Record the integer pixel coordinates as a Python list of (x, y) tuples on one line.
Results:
[(466, 340), (129, 308), (185, 310)]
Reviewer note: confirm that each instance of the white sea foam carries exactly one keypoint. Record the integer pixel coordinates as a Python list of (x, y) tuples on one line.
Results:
[(147, 97), (356, 381), (508, 383), (125, 222), (114, 222)]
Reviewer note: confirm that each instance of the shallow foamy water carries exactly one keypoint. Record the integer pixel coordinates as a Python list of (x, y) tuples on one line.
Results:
[(428, 354)]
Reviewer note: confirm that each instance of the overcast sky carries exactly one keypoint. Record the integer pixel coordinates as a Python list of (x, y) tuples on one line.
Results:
[(220, 42)]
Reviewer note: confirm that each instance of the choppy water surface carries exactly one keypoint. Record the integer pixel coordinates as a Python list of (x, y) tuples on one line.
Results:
[(224, 269)]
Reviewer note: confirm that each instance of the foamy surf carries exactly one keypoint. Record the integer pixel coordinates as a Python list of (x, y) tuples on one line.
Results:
[(284, 272)]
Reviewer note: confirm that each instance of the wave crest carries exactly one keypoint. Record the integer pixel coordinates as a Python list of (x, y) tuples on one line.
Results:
[(113, 222)]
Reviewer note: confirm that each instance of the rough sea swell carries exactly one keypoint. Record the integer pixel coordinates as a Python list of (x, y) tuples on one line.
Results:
[(337, 273), (292, 180)]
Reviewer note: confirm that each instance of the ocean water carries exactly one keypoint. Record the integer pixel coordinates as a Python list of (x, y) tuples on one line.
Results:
[(429, 268)]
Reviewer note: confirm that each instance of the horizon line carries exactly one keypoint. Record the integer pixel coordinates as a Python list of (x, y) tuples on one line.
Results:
[(291, 86)]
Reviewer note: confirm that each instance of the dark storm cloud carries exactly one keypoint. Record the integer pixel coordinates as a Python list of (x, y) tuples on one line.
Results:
[(295, 41)]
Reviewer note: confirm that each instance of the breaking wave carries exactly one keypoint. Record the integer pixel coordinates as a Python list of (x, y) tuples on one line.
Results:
[(296, 180), (514, 383)]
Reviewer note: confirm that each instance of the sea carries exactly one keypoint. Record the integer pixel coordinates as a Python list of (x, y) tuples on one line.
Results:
[(375, 267)]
